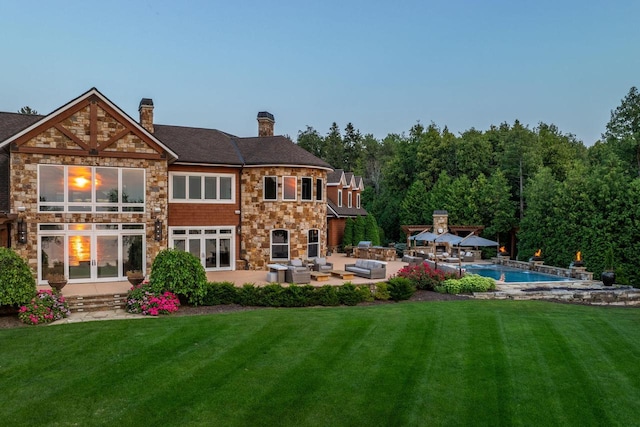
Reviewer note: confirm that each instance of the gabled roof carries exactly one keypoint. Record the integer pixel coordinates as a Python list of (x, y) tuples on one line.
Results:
[(93, 92), (359, 183), (348, 177), (335, 178)]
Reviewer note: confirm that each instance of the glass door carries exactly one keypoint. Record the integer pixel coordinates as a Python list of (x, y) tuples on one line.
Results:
[(107, 259), (80, 260)]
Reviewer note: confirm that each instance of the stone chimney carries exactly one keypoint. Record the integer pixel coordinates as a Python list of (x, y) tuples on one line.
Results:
[(146, 113), (440, 222), (265, 123)]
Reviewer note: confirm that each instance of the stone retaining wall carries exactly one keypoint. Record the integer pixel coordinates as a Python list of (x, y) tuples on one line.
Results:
[(579, 273)]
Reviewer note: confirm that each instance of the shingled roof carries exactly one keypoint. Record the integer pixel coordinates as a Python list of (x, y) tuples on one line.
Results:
[(211, 146), (344, 211), (197, 145), (12, 123), (276, 150)]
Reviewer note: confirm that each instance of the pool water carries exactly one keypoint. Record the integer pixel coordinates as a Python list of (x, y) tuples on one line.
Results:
[(512, 275)]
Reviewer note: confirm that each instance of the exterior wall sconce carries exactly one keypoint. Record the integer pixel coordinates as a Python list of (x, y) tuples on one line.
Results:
[(157, 230), (22, 231)]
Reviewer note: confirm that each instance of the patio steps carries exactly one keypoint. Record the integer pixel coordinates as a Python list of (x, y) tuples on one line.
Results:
[(79, 304)]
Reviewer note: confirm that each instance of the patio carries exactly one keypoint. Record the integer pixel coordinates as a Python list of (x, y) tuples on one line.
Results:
[(238, 277)]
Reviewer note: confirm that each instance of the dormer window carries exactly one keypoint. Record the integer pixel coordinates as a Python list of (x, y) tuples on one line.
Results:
[(339, 198)]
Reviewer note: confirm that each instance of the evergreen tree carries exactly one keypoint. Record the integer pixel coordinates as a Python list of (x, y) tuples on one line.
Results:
[(347, 239), (371, 230), (358, 230)]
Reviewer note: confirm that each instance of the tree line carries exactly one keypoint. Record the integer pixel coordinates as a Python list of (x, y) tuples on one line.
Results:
[(539, 186)]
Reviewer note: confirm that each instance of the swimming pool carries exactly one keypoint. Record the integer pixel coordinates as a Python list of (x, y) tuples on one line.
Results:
[(513, 275)]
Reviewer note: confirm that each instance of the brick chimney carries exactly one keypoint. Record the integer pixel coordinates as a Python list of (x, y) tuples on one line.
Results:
[(146, 113), (265, 123)]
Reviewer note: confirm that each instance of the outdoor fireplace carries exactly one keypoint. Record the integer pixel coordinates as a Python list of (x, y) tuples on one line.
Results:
[(537, 257)]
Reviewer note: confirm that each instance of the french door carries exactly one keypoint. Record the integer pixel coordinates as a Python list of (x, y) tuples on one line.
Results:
[(213, 246), (90, 252)]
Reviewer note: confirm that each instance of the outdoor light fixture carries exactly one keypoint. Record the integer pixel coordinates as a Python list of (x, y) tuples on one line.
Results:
[(22, 231), (157, 230)]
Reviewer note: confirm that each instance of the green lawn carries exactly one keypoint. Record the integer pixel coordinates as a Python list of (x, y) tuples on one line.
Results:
[(438, 363)]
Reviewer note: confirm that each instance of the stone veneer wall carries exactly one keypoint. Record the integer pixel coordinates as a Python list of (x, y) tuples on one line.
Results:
[(259, 217), (24, 190)]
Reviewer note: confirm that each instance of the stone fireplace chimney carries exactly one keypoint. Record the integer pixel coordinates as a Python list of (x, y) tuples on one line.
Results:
[(265, 123), (440, 222), (146, 113)]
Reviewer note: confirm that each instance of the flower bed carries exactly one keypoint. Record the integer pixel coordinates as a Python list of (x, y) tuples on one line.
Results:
[(45, 307), (142, 300)]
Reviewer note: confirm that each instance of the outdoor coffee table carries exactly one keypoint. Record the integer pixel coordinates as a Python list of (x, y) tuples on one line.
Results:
[(345, 275), (320, 277)]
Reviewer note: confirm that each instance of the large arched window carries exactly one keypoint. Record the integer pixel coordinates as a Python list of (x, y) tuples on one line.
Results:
[(313, 244), (280, 245)]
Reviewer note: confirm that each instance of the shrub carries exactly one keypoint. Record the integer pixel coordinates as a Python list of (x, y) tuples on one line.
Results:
[(249, 295), (219, 293), (17, 285), (348, 294), (366, 293), (46, 306), (467, 284), (297, 296), (382, 292), (422, 276), (327, 296), (271, 295), (142, 299), (180, 273), (400, 288)]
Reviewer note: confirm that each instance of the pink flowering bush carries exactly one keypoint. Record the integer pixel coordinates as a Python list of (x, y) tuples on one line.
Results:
[(45, 307), (423, 276), (143, 300)]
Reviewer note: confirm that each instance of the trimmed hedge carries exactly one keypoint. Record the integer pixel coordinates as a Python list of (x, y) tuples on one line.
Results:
[(276, 295), (467, 284)]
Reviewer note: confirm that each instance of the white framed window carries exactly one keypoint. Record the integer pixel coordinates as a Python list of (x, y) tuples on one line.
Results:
[(201, 188), (307, 188), (90, 251), (349, 199), (358, 200), (319, 189), (289, 188), (212, 245), (90, 189), (270, 188), (280, 245), (313, 243), (339, 198)]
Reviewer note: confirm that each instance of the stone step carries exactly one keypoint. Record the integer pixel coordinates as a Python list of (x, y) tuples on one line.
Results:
[(79, 304)]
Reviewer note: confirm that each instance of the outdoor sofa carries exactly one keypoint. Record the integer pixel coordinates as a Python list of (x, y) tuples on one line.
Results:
[(368, 268)]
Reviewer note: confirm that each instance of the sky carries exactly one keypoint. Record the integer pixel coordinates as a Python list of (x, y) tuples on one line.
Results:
[(381, 65)]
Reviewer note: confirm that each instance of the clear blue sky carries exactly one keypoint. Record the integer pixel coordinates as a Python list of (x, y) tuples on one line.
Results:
[(381, 65)]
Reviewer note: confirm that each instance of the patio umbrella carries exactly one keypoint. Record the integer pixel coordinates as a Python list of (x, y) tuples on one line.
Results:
[(425, 236), (473, 240), (452, 239)]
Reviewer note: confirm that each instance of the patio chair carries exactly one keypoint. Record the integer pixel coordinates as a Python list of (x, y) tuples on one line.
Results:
[(297, 272), (321, 265)]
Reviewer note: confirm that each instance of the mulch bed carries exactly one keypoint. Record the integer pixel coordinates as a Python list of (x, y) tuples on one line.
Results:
[(9, 318)]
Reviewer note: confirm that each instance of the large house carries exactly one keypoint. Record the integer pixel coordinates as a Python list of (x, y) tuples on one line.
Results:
[(344, 193), (89, 192)]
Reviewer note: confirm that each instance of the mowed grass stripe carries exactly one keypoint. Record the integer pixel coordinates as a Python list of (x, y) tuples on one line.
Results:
[(445, 363)]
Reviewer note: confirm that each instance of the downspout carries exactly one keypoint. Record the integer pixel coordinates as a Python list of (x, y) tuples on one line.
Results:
[(242, 165)]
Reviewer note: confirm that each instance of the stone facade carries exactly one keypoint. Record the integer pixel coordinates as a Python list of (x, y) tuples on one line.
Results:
[(97, 130), (260, 217)]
